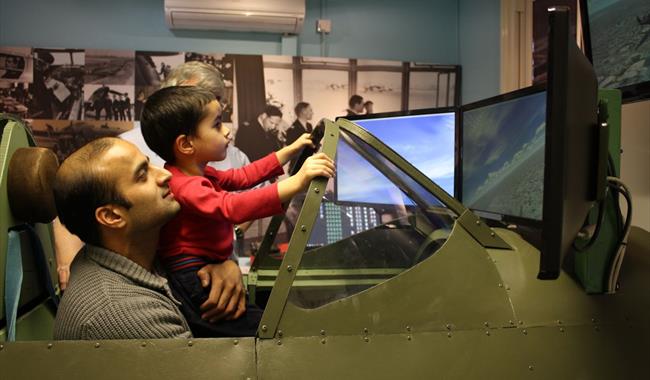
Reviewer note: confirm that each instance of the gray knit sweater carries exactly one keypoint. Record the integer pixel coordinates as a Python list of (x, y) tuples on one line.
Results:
[(111, 297)]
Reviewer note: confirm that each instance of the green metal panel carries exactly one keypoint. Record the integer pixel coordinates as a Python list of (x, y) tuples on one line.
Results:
[(224, 358), (37, 324), (563, 301), (572, 353), (427, 297), (299, 238), (14, 136), (592, 265), (614, 107)]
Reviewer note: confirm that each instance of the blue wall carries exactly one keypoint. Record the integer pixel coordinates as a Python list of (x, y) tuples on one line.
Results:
[(410, 30), (479, 23), (462, 32)]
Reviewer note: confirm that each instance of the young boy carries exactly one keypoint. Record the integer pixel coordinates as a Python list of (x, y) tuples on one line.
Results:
[(183, 126)]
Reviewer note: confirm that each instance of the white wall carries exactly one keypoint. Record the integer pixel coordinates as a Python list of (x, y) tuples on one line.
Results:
[(635, 159)]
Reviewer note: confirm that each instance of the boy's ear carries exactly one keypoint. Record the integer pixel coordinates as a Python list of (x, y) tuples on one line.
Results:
[(111, 216), (183, 144)]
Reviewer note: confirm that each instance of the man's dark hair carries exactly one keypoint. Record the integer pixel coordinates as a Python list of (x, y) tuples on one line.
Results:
[(270, 110), (354, 100), (300, 107), (79, 189), (171, 112)]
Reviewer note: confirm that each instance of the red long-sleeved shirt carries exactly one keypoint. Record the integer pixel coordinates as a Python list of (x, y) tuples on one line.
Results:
[(203, 227)]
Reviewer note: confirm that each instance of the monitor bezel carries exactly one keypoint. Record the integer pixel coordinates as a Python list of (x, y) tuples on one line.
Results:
[(458, 185)]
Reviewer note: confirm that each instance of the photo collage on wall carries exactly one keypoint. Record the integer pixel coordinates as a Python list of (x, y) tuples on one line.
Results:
[(69, 97)]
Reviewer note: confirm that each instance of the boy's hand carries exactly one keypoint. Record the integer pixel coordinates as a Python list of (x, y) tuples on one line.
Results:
[(290, 151), (227, 299), (318, 165)]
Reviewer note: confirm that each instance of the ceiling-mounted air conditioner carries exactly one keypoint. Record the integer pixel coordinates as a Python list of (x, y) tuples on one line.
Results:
[(272, 16)]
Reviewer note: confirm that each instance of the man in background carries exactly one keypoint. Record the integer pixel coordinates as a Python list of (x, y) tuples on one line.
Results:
[(355, 105), (259, 137), (304, 113)]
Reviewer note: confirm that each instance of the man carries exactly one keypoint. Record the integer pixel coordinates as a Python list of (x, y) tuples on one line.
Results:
[(127, 105), (368, 107), (304, 113), (260, 137), (107, 194), (224, 279), (355, 105)]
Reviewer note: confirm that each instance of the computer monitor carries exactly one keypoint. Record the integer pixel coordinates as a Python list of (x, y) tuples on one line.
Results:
[(502, 155), (617, 39), (425, 138), (571, 155)]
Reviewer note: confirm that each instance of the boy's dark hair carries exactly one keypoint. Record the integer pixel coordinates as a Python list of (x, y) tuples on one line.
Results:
[(171, 112), (300, 107), (270, 110), (354, 100), (79, 190)]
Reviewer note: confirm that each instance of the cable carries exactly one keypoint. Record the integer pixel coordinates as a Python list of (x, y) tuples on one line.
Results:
[(617, 260)]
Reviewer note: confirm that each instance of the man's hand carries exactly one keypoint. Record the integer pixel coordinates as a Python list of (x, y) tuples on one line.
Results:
[(64, 275), (290, 151), (227, 298)]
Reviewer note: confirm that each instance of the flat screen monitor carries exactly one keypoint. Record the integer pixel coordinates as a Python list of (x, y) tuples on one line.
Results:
[(617, 36), (502, 155), (425, 138), (572, 160)]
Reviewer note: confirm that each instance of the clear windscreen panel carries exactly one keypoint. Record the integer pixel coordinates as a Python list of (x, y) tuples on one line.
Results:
[(374, 222)]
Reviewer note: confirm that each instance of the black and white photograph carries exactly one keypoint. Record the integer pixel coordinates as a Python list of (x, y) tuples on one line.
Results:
[(109, 67), (16, 73), (108, 102), (65, 136), (151, 68), (58, 82)]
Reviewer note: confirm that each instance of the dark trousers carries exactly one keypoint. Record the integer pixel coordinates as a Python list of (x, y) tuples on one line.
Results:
[(187, 289)]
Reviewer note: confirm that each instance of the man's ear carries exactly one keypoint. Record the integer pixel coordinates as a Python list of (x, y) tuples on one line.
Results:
[(111, 216), (183, 144)]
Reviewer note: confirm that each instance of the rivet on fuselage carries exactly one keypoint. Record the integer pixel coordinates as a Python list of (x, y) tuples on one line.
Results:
[(49, 345), (264, 328)]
